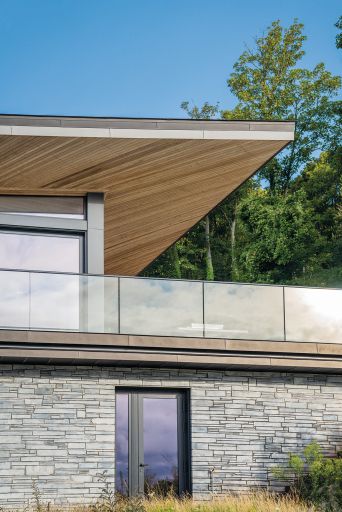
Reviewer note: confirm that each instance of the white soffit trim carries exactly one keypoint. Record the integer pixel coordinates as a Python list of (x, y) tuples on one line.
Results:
[(129, 133)]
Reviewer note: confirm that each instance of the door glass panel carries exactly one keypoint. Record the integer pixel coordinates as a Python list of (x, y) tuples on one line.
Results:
[(30, 251), (160, 445), (121, 444)]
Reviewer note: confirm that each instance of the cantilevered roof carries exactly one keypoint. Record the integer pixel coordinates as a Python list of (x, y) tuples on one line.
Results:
[(159, 176)]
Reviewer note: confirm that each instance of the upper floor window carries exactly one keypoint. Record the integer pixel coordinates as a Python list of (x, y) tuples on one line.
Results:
[(44, 233), (23, 250)]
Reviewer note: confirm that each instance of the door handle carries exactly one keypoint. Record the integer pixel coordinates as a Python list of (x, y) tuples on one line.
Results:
[(141, 465)]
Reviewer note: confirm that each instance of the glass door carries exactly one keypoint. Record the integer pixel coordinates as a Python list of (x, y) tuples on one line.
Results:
[(151, 443)]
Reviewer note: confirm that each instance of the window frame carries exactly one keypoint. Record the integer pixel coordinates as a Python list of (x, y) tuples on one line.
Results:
[(91, 229), (54, 234)]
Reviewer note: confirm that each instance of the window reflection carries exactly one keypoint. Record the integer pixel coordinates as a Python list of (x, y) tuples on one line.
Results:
[(160, 446), (31, 251)]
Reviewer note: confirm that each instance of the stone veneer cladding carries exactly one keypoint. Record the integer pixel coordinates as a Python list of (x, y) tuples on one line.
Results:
[(57, 425)]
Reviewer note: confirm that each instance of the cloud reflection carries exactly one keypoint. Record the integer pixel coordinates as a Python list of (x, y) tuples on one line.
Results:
[(39, 252), (313, 315)]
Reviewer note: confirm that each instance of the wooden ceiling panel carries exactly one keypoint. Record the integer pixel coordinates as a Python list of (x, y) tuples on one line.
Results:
[(155, 189)]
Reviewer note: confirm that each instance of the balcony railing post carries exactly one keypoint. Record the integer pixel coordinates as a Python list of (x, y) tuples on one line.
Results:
[(119, 306), (29, 311), (284, 313), (203, 309)]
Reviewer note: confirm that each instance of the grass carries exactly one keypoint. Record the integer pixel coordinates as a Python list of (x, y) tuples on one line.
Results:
[(258, 502)]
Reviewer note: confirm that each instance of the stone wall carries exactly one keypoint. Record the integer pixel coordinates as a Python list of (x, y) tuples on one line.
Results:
[(57, 426)]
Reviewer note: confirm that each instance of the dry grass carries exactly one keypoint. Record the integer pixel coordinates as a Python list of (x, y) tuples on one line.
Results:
[(259, 502)]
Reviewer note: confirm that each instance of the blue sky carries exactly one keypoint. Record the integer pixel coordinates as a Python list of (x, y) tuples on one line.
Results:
[(140, 57)]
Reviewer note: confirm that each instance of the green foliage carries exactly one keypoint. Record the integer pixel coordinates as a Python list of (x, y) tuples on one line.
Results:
[(314, 478), (276, 231), (207, 111), (338, 25)]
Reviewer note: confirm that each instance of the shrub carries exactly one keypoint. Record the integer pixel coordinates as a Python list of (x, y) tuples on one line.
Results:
[(315, 478)]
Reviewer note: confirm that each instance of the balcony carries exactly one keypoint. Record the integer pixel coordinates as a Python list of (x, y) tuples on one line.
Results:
[(39, 301)]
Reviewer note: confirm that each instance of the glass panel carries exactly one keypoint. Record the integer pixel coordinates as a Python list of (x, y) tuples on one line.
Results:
[(161, 307), (74, 302), (29, 251), (160, 445), (243, 311), (313, 315), (121, 444), (101, 313), (66, 207), (55, 302), (14, 300)]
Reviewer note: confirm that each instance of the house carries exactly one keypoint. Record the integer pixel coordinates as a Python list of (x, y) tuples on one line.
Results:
[(201, 387)]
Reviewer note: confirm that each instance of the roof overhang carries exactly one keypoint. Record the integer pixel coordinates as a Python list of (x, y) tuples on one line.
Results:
[(159, 176)]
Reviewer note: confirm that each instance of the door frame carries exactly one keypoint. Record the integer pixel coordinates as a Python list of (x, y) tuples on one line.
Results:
[(136, 442)]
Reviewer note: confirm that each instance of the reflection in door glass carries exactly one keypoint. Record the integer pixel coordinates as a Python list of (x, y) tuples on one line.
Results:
[(121, 444), (160, 445)]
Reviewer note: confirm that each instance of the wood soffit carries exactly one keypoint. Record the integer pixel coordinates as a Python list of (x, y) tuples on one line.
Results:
[(159, 177)]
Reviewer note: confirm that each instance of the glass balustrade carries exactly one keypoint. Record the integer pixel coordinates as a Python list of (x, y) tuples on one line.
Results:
[(161, 307), (165, 307), (313, 314), (241, 311)]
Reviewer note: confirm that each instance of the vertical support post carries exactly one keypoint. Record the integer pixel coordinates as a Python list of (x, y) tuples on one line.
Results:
[(284, 313), (203, 310), (95, 234), (95, 285), (135, 445)]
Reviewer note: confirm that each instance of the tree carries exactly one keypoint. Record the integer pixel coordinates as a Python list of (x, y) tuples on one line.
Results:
[(268, 84), (276, 231)]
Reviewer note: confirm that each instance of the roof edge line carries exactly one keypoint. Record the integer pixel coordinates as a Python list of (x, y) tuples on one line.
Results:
[(145, 133)]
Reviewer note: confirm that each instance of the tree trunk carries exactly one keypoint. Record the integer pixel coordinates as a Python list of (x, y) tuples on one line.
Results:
[(175, 261), (235, 270), (208, 259)]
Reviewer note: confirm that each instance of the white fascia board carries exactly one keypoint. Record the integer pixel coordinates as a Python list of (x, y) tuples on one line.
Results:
[(123, 133), (56, 131), (248, 135)]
